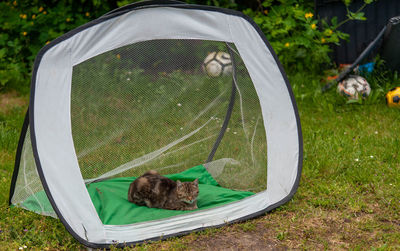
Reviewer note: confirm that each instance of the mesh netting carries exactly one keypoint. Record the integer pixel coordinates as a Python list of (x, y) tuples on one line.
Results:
[(29, 192), (153, 105)]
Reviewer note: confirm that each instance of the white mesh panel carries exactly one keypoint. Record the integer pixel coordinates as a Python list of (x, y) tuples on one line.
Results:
[(29, 192)]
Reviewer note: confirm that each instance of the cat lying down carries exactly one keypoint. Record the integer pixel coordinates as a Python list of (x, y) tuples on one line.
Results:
[(153, 190)]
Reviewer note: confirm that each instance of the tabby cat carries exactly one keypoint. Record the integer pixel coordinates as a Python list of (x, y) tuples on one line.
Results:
[(153, 190)]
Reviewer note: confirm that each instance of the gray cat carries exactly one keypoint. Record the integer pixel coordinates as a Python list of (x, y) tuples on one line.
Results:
[(153, 190)]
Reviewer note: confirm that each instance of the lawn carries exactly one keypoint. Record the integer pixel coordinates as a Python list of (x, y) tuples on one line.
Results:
[(348, 196)]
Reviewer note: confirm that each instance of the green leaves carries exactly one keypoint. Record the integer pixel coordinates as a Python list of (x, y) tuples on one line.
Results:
[(29, 25), (356, 16), (300, 40), (334, 21), (2, 52), (347, 2), (267, 3), (295, 34)]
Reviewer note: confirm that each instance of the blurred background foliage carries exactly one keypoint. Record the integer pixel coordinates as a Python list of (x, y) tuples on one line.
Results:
[(300, 40)]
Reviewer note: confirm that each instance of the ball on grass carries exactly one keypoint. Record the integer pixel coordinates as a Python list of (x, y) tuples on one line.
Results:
[(354, 86), (217, 64)]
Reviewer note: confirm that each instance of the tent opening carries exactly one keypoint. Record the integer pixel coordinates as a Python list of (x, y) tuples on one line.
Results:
[(154, 105)]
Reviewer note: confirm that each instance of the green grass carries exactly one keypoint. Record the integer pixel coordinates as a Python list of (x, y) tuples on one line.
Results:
[(348, 196)]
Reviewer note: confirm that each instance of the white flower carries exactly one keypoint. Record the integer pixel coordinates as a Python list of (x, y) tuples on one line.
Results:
[(181, 128), (356, 160), (25, 246), (376, 132), (20, 248), (179, 104), (371, 157), (128, 79), (234, 132)]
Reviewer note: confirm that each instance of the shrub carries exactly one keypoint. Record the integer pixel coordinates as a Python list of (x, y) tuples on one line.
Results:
[(29, 25), (300, 40)]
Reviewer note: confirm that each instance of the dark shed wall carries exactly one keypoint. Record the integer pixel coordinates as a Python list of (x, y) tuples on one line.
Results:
[(361, 32)]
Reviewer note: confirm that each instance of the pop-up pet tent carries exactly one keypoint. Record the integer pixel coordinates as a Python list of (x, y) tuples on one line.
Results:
[(131, 92)]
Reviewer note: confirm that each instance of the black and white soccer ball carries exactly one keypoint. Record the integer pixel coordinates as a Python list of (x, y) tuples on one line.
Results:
[(217, 64), (354, 86)]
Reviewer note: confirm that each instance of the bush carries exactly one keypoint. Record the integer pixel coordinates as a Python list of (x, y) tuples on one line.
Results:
[(295, 35), (29, 25), (301, 41)]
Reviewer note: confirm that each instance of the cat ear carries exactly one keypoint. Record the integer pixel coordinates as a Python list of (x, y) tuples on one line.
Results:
[(178, 183), (196, 181)]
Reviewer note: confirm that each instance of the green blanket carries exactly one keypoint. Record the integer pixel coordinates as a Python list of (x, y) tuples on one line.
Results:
[(110, 198)]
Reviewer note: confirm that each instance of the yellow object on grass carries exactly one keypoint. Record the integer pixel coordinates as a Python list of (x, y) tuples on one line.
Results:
[(393, 97)]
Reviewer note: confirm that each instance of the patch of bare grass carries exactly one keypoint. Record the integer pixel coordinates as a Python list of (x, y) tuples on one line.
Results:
[(239, 237), (10, 100)]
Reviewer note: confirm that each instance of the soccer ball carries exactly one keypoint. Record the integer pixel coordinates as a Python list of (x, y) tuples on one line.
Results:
[(217, 64), (393, 97), (353, 86)]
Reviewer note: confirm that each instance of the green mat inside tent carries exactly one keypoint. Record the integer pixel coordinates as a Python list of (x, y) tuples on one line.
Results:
[(110, 198)]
